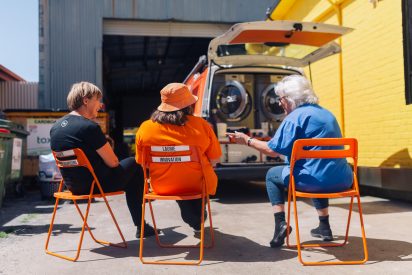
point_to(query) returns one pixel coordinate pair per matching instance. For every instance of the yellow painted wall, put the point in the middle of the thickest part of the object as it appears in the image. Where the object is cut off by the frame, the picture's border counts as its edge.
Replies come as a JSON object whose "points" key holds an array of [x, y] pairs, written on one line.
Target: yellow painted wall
{"points": [[373, 73]]}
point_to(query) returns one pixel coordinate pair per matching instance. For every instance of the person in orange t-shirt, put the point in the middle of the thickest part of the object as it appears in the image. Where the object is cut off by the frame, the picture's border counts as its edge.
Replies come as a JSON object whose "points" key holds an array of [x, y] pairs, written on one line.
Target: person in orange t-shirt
{"points": [[173, 123]]}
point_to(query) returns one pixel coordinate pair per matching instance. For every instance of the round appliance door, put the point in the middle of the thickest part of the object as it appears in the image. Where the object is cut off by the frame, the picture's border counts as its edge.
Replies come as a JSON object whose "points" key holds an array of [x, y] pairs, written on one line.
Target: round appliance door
{"points": [[269, 104], [232, 101]]}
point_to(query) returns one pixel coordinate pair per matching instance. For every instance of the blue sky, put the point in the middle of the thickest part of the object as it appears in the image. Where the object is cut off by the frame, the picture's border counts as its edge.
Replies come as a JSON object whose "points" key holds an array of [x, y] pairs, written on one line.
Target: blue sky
{"points": [[19, 37]]}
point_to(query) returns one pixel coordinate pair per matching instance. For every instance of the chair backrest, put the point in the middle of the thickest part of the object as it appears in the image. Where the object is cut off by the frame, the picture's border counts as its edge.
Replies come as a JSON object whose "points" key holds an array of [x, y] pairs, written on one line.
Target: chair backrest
{"points": [[301, 151], [73, 158], [173, 155]]}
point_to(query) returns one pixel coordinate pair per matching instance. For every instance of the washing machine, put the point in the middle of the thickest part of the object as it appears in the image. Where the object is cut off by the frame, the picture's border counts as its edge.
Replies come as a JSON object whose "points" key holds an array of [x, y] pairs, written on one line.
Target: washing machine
{"points": [[232, 99], [269, 104]]}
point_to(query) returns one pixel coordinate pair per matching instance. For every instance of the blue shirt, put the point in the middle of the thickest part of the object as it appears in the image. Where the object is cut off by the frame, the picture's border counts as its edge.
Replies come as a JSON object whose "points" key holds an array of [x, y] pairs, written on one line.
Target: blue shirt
{"points": [[312, 175]]}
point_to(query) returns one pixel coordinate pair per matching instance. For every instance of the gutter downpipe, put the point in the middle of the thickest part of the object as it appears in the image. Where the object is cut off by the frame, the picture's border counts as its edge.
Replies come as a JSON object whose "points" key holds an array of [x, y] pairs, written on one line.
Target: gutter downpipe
{"points": [[336, 6]]}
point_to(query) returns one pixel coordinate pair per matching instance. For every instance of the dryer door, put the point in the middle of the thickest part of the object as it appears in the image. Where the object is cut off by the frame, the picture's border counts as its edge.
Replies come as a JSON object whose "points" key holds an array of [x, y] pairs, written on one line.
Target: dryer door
{"points": [[269, 104], [232, 101]]}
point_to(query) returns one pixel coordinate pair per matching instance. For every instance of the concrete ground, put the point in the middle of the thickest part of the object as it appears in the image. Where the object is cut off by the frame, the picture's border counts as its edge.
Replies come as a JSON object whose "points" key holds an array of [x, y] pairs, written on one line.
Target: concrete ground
{"points": [[243, 227]]}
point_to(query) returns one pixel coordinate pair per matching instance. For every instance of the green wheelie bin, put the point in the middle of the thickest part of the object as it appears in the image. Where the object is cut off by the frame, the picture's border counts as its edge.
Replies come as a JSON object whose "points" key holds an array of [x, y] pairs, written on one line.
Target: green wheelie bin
{"points": [[5, 158], [18, 145]]}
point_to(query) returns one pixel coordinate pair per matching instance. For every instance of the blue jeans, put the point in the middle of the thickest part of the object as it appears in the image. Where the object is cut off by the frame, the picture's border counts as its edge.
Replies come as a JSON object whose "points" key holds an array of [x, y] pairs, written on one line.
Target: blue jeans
{"points": [[275, 187]]}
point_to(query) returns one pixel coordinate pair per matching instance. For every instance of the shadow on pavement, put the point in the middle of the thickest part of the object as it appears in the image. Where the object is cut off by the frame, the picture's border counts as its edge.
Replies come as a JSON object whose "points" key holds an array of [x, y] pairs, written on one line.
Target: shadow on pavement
{"points": [[232, 248], [30, 207], [29, 230], [30, 204], [228, 248]]}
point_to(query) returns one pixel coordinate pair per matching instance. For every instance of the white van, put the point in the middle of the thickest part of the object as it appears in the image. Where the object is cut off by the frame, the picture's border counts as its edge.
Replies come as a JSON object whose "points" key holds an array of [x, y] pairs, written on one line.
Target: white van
{"points": [[235, 84]]}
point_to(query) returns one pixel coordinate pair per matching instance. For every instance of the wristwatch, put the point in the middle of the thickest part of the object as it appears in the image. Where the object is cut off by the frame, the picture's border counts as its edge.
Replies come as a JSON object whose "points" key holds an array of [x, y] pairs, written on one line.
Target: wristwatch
{"points": [[249, 141]]}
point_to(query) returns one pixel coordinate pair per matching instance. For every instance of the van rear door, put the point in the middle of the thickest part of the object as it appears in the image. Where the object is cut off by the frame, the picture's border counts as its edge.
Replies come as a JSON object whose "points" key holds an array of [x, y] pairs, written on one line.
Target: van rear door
{"points": [[286, 43]]}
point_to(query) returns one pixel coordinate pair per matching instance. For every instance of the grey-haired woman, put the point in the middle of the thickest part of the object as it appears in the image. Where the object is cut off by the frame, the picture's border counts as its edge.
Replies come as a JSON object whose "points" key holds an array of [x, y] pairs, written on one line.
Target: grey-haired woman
{"points": [[305, 119]]}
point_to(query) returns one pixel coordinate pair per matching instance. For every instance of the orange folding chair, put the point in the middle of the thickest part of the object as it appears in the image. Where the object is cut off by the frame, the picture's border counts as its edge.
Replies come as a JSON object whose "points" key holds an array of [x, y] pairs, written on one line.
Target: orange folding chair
{"points": [[76, 158], [174, 155], [300, 151]]}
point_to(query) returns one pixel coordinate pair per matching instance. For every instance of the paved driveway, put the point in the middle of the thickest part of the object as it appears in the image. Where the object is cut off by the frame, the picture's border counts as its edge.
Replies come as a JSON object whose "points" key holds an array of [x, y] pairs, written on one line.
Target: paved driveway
{"points": [[244, 225]]}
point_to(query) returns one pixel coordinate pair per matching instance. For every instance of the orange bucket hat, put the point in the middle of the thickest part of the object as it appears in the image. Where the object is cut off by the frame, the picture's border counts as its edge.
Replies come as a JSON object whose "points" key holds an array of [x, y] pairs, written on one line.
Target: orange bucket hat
{"points": [[175, 96]]}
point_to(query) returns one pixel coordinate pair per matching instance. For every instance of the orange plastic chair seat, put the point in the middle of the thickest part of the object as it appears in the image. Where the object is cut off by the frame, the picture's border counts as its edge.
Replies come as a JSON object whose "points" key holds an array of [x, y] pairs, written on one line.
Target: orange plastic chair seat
{"points": [[67, 195], [154, 196], [343, 194], [302, 150]]}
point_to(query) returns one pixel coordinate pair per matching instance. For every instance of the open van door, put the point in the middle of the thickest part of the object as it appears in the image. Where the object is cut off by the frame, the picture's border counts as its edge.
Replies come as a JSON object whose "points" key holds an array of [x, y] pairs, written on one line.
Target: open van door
{"points": [[286, 43]]}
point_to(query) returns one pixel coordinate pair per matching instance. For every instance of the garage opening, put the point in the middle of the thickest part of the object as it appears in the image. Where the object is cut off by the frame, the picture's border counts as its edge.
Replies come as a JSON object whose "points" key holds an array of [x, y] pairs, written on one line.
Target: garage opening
{"points": [[135, 69], [140, 58]]}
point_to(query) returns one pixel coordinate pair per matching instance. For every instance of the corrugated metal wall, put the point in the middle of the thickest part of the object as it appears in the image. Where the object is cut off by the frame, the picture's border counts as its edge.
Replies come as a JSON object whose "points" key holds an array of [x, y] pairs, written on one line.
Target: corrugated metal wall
{"points": [[73, 36], [18, 95], [71, 33]]}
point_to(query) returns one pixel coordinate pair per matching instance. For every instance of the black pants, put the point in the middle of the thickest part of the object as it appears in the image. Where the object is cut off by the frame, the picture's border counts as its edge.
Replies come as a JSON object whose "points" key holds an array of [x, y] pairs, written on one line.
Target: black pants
{"points": [[128, 176], [190, 211]]}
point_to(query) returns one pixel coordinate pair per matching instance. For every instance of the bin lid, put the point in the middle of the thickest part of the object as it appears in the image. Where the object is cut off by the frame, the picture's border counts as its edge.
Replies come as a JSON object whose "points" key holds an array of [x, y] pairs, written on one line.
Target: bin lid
{"points": [[19, 131], [14, 128], [5, 133], [5, 123]]}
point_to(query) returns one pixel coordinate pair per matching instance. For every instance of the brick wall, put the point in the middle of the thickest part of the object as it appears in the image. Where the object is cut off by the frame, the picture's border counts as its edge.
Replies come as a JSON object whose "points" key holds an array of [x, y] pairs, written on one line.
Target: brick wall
{"points": [[373, 72]]}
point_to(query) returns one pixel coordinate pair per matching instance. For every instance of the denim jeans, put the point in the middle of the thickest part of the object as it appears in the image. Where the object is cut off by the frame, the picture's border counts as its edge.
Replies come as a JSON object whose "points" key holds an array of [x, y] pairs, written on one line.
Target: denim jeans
{"points": [[275, 187]]}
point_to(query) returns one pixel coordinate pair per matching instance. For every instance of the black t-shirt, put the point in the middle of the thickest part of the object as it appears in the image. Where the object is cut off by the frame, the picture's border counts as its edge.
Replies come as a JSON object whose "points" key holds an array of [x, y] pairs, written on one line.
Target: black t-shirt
{"points": [[72, 131]]}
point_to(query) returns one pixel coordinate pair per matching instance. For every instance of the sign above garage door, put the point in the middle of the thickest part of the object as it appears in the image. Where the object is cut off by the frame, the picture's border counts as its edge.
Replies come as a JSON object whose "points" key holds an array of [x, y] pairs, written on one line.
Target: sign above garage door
{"points": [[171, 29]]}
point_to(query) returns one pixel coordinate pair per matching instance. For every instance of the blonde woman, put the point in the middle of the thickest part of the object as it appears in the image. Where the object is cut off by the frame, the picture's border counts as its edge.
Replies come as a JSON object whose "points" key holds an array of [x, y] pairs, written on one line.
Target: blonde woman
{"points": [[78, 130]]}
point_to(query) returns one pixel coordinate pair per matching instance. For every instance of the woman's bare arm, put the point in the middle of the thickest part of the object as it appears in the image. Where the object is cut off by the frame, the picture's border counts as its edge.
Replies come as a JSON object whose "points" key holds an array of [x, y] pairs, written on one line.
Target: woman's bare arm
{"points": [[108, 156], [261, 146]]}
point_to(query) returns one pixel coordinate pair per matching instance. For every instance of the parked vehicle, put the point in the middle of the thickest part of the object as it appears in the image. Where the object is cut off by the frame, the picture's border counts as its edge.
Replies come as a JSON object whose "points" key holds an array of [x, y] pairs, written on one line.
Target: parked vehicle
{"points": [[235, 84]]}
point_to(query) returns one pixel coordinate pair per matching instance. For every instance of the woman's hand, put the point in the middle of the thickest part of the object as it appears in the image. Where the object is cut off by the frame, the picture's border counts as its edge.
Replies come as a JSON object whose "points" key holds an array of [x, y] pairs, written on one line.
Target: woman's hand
{"points": [[214, 162], [238, 137], [261, 146]]}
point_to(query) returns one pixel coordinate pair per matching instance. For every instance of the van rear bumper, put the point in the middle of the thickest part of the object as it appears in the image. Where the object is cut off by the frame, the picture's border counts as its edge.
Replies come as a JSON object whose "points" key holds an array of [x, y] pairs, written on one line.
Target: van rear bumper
{"points": [[244, 171]]}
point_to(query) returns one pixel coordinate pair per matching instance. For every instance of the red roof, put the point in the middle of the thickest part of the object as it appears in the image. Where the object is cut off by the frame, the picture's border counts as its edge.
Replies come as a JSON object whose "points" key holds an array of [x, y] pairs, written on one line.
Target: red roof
{"points": [[7, 75]]}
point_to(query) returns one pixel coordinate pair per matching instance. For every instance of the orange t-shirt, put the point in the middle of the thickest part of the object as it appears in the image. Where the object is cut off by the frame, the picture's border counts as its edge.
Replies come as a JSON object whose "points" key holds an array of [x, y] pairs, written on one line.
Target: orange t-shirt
{"points": [[168, 178]]}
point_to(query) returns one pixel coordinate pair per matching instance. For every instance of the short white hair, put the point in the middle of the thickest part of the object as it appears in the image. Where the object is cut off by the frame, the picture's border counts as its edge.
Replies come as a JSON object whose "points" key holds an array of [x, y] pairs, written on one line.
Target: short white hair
{"points": [[296, 89]]}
